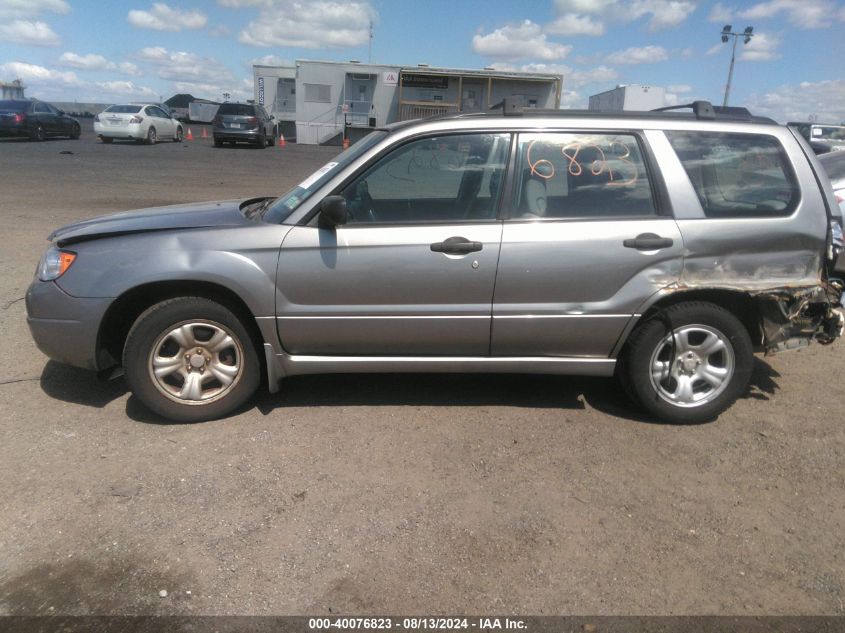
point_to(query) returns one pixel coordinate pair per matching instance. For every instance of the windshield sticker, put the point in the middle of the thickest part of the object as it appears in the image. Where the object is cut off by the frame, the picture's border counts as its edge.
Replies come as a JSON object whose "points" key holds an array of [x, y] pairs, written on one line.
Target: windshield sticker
{"points": [[317, 175]]}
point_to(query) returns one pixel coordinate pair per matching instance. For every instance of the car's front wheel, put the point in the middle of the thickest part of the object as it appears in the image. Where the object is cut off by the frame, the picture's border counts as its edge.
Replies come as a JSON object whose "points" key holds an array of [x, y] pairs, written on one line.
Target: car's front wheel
{"points": [[75, 132], [688, 363], [177, 138], [191, 359], [151, 136]]}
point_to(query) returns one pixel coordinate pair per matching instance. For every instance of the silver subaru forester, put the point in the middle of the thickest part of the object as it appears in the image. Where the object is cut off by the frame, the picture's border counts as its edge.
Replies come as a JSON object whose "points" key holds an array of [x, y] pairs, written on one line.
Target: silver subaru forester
{"points": [[663, 247]]}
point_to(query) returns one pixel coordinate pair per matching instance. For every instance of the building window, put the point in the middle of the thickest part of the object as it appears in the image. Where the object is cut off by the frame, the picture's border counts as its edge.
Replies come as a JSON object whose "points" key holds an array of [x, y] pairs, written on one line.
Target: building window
{"points": [[318, 93]]}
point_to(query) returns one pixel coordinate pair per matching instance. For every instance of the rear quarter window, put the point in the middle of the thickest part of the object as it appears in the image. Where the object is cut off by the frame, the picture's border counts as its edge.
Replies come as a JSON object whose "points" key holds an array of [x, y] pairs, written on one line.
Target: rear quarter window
{"points": [[738, 175]]}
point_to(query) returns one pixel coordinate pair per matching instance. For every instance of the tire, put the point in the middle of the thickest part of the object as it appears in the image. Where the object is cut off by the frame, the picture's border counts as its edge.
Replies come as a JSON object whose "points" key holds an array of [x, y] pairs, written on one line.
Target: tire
{"points": [[151, 136], [106, 139], [177, 138], [218, 143], [76, 132], [195, 381], [261, 143], [38, 133], [271, 140], [713, 359]]}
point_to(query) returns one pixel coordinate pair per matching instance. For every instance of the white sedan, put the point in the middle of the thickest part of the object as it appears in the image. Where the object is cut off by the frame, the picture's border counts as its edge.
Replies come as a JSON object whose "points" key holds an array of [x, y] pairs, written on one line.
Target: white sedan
{"points": [[138, 122]]}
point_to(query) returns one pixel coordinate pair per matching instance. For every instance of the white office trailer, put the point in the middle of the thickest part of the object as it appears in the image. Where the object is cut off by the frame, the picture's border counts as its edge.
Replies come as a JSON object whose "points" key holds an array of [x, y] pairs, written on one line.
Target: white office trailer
{"points": [[324, 102], [12, 90], [629, 97]]}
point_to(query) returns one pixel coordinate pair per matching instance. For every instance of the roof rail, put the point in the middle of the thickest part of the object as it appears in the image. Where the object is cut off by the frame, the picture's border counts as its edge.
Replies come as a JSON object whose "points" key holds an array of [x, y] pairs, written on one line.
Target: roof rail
{"points": [[510, 106], [706, 111]]}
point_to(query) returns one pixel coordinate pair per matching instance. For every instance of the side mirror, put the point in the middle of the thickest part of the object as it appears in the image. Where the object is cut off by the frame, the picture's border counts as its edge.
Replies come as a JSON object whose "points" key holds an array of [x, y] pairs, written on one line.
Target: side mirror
{"points": [[333, 211], [272, 118]]}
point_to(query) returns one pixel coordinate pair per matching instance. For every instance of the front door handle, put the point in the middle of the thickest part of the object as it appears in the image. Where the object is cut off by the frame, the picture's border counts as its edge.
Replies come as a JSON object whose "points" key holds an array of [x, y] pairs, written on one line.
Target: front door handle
{"points": [[456, 246], [648, 242]]}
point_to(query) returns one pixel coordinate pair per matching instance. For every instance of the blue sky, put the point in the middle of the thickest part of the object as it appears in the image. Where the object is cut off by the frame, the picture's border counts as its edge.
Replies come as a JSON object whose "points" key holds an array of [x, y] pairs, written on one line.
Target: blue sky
{"points": [[115, 50]]}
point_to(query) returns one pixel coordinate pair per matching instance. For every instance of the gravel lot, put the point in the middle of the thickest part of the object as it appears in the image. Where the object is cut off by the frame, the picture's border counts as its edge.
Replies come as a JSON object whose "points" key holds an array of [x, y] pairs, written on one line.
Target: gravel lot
{"points": [[389, 494]]}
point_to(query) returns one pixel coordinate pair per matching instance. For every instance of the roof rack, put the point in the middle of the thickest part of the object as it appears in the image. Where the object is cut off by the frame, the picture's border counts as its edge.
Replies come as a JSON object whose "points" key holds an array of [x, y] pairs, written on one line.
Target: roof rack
{"points": [[701, 110]]}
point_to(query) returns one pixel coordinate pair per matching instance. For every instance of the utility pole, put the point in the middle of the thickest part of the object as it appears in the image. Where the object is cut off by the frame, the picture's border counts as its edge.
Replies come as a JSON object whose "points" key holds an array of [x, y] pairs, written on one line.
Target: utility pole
{"points": [[370, 51], [727, 33]]}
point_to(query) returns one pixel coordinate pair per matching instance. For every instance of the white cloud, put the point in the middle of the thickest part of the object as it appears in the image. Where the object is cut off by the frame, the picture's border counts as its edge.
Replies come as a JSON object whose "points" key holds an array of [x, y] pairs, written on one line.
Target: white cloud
{"points": [[184, 66], [762, 48], [86, 62], [571, 77], [125, 88], [639, 55], [575, 24], [679, 88], [96, 62], [128, 68], [587, 17], [29, 32], [271, 60], [38, 75], [823, 99], [519, 41], [716, 48], [214, 90], [316, 24], [162, 17], [664, 13], [805, 14], [720, 13], [29, 8]]}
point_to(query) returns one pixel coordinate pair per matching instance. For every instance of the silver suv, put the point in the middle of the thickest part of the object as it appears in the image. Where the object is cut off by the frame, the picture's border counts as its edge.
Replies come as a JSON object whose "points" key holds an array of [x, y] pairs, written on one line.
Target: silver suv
{"points": [[664, 247]]}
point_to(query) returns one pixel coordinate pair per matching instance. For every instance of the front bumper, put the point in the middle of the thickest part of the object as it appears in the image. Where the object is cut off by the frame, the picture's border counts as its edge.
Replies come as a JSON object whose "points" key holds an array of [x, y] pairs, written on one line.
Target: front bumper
{"points": [[65, 328]]}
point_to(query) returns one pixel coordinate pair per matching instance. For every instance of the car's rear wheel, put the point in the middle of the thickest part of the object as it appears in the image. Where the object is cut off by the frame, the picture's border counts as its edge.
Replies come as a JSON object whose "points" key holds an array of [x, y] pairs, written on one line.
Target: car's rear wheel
{"points": [[76, 132], [38, 133], [151, 136], [261, 143], [688, 363], [177, 138], [191, 359]]}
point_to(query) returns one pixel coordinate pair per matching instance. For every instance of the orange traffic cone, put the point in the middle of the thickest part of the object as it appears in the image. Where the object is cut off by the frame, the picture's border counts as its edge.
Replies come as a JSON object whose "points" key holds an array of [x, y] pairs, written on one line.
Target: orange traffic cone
{"points": [[190, 136], [345, 143], [204, 133], [281, 140]]}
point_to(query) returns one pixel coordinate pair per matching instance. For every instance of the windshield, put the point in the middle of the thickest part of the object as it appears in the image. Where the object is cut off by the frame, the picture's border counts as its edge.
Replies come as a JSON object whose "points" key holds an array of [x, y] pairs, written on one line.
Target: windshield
{"points": [[286, 204], [237, 109], [124, 109], [829, 132], [13, 106]]}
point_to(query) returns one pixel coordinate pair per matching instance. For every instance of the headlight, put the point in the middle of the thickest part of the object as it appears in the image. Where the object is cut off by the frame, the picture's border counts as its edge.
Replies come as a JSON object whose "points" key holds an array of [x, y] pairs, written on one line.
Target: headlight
{"points": [[54, 263]]}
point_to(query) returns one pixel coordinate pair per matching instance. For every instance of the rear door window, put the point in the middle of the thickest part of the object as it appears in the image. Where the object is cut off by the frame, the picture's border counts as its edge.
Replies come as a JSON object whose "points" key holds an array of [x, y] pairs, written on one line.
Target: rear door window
{"points": [[738, 175], [581, 175]]}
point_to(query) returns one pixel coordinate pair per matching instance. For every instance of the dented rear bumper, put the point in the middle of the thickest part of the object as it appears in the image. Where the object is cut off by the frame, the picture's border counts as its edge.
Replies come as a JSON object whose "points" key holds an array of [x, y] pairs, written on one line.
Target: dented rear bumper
{"points": [[790, 315]]}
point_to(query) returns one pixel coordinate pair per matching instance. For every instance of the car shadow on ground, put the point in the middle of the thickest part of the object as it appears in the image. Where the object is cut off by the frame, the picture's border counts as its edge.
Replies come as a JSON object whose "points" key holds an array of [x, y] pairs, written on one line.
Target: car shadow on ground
{"points": [[79, 386], [536, 391]]}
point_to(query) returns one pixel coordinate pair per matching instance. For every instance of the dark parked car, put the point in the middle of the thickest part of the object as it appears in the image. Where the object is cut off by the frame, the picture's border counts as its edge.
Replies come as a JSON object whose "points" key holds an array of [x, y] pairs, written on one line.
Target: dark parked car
{"points": [[244, 122], [36, 120]]}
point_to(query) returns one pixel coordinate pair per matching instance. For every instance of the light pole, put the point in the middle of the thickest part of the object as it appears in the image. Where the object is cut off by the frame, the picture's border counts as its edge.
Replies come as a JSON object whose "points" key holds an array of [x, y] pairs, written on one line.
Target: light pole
{"points": [[726, 35]]}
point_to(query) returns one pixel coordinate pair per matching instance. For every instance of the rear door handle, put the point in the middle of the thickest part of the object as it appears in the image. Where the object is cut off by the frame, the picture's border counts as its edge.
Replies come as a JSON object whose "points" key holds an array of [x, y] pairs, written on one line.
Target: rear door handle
{"points": [[648, 242], [456, 246]]}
